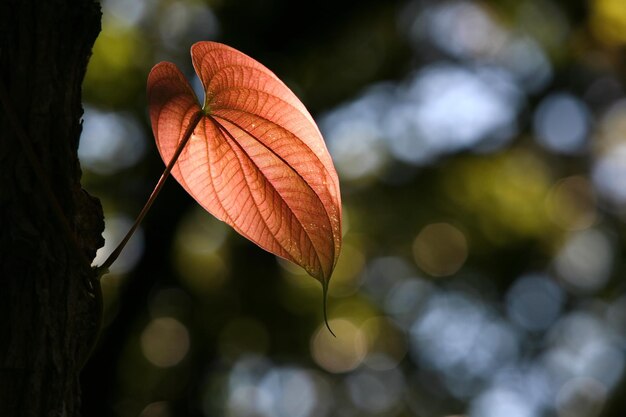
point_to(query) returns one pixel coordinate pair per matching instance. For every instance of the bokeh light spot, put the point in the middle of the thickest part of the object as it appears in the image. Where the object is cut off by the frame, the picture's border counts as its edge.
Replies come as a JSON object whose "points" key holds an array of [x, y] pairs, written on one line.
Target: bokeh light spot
{"points": [[497, 189], [383, 274], [116, 226], [291, 393], [375, 392], [583, 345], [464, 29], [386, 344], [440, 249], [460, 338], [608, 21], [156, 409], [110, 141], [198, 251], [608, 173], [165, 342], [581, 397], [499, 403], [571, 203], [561, 123], [447, 109], [406, 299], [355, 141], [610, 164], [114, 74], [185, 22], [585, 261], [616, 316], [126, 12], [534, 302], [340, 354]]}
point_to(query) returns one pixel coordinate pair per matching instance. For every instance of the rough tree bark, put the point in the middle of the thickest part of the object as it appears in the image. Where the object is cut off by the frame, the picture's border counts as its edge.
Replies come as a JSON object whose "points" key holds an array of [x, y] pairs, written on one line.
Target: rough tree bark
{"points": [[48, 311]]}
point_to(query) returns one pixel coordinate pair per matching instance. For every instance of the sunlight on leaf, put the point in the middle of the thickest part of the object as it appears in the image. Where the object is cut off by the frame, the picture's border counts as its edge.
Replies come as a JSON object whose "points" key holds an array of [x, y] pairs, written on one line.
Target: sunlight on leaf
{"points": [[256, 159]]}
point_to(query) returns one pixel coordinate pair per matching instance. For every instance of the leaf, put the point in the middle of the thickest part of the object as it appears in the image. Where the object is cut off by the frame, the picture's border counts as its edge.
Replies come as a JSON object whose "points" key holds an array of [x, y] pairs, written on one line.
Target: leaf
{"points": [[255, 160]]}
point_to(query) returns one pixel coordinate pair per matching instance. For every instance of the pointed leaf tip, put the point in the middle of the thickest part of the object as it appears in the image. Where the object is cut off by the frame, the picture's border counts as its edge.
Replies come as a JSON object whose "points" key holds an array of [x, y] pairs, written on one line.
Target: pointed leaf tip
{"points": [[325, 306], [256, 160]]}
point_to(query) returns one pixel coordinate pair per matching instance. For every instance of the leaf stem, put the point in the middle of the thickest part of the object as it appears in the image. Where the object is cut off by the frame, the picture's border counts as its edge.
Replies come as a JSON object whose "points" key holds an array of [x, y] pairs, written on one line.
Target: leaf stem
{"points": [[193, 122]]}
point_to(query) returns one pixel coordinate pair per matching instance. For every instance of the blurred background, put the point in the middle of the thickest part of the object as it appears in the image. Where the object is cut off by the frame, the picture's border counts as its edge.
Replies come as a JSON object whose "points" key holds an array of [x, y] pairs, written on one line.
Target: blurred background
{"points": [[481, 147]]}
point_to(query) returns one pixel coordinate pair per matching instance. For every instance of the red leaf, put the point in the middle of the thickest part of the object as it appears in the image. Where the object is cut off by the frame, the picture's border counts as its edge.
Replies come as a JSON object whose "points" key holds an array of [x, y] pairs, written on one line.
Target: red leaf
{"points": [[256, 159]]}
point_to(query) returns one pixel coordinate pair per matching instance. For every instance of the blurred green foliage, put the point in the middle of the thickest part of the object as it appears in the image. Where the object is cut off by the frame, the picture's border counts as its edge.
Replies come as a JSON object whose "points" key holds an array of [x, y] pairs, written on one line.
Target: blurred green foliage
{"points": [[481, 147]]}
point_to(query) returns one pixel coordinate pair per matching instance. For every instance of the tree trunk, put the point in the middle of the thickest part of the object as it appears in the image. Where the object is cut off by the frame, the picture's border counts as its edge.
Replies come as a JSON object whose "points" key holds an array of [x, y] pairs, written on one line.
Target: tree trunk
{"points": [[49, 227]]}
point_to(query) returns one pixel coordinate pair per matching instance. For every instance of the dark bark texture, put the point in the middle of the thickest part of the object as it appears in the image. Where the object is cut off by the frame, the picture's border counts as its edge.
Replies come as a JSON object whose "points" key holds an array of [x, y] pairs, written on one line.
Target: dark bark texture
{"points": [[49, 313]]}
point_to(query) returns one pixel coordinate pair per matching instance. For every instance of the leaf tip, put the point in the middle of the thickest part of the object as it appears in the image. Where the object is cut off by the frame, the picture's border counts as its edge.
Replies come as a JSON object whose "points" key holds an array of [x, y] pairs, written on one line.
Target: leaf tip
{"points": [[325, 306]]}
